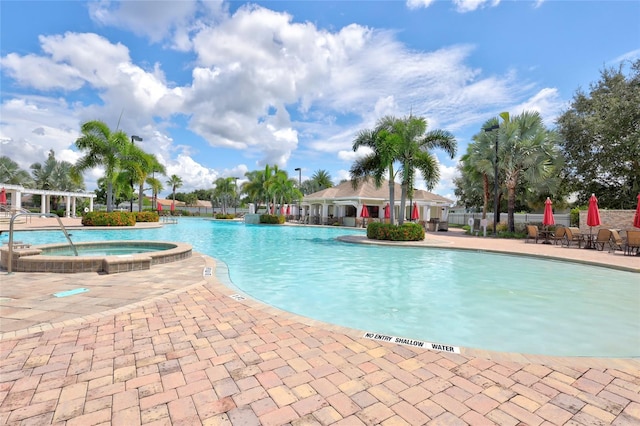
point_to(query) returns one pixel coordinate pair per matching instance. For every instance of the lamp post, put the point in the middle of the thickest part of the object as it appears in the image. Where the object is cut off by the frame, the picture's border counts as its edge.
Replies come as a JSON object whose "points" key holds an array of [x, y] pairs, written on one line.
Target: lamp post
{"points": [[134, 138], [235, 187], [495, 181], [299, 170]]}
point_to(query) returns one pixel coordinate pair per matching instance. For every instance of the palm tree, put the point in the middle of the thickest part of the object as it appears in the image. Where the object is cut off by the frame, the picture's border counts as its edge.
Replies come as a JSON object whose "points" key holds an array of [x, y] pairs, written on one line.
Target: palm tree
{"points": [[149, 166], [103, 148], [254, 187], [414, 153], [12, 174], [480, 160], [379, 162], [321, 180], [174, 182], [55, 175], [527, 153], [224, 192]]}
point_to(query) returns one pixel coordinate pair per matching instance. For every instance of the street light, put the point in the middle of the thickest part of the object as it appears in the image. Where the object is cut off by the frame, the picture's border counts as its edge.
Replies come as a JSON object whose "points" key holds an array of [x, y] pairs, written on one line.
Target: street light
{"points": [[235, 187], [495, 181], [134, 138], [299, 170]]}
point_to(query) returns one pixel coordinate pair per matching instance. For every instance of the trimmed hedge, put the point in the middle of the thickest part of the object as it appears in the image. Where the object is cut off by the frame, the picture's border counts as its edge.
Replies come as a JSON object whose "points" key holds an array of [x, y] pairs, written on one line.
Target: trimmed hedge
{"points": [[272, 219], [109, 219], [147, 216], [406, 232], [225, 216]]}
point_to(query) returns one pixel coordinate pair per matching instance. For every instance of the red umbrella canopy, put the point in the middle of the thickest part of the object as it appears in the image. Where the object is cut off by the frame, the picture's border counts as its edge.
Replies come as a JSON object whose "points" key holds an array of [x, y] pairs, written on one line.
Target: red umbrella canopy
{"points": [[173, 206], [593, 214], [364, 212], [288, 210], [636, 219], [159, 207], [548, 213], [282, 210], [387, 211], [3, 196], [415, 214]]}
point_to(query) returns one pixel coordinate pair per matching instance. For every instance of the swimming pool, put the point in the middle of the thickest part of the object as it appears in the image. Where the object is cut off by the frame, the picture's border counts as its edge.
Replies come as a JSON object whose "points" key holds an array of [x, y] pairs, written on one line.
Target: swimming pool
{"points": [[470, 299]]}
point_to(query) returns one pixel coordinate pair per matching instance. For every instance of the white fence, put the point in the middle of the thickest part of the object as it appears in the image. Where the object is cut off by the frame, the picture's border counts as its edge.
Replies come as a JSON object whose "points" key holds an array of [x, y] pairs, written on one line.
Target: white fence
{"points": [[463, 218]]}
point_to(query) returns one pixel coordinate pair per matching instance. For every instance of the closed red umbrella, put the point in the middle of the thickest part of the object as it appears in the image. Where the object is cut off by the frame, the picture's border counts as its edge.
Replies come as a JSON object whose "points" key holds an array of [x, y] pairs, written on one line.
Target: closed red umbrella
{"points": [[387, 211], [288, 210], [364, 214], [593, 216], [3, 197], [173, 206], [548, 214], [415, 215], [282, 210], [636, 219], [159, 207]]}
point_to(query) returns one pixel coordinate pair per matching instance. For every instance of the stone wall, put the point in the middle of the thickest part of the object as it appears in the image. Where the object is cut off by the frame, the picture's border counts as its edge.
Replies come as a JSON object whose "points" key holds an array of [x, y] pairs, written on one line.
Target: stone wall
{"points": [[610, 219]]}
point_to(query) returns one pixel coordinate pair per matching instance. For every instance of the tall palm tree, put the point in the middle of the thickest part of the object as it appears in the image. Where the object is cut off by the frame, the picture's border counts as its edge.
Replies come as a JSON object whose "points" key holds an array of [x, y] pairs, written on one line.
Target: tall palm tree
{"points": [[526, 153], [480, 159], [224, 192], [414, 153], [380, 161], [174, 182], [102, 147], [11, 173], [149, 165], [254, 187]]}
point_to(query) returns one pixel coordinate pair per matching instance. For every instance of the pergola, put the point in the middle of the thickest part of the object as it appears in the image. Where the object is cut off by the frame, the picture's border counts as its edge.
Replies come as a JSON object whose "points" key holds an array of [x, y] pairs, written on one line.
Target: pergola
{"points": [[15, 193]]}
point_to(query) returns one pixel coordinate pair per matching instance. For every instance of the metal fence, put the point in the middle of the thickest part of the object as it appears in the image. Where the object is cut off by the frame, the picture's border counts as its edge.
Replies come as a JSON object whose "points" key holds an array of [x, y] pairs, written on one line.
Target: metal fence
{"points": [[463, 218]]}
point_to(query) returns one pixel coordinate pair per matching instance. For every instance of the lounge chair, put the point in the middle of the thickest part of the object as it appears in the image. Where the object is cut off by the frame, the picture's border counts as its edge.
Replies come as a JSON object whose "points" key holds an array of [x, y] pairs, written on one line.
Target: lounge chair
{"points": [[572, 235], [616, 242], [632, 244], [602, 239], [532, 233], [558, 235]]}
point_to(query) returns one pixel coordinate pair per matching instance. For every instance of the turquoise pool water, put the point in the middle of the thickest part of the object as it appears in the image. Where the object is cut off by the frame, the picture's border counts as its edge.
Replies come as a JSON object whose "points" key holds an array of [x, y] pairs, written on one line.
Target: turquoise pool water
{"points": [[461, 298]]}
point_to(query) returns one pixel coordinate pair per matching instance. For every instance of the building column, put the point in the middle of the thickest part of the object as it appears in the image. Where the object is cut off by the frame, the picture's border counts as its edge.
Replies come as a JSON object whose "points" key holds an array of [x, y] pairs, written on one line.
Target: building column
{"points": [[67, 206], [43, 203], [90, 204], [16, 202]]}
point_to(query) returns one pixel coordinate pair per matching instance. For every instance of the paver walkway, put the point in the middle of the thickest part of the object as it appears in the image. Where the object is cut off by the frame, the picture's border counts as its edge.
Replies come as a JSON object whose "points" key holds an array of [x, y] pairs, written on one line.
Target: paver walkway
{"points": [[197, 355]]}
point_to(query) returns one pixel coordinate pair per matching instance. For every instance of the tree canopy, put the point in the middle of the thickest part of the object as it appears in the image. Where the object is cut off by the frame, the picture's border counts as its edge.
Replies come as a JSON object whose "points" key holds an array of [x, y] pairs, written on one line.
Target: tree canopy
{"points": [[601, 139]]}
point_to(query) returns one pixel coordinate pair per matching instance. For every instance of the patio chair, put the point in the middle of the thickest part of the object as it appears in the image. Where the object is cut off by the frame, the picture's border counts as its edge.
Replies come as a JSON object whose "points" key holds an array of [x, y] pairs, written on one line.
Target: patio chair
{"points": [[532, 233], [632, 244], [616, 242], [558, 235], [572, 235], [603, 237]]}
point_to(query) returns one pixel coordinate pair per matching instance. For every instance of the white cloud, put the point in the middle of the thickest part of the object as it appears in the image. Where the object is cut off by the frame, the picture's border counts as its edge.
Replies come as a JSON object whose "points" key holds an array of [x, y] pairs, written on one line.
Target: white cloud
{"points": [[464, 6], [416, 4]]}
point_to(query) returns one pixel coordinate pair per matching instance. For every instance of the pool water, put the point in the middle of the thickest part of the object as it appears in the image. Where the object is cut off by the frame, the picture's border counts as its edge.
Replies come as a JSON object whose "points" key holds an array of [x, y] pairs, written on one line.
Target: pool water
{"points": [[461, 298]]}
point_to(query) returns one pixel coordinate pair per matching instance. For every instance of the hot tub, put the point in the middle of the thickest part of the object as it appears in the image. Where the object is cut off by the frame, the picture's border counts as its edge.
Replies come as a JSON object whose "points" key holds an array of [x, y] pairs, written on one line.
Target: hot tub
{"points": [[106, 257]]}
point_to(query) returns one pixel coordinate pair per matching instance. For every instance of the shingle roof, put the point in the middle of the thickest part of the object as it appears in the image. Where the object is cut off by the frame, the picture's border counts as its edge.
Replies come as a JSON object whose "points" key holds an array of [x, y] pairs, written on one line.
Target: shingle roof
{"points": [[367, 190]]}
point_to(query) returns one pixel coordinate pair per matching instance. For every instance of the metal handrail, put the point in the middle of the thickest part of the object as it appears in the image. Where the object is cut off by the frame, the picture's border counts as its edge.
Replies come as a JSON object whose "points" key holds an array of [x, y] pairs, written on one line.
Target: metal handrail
{"points": [[64, 230]]}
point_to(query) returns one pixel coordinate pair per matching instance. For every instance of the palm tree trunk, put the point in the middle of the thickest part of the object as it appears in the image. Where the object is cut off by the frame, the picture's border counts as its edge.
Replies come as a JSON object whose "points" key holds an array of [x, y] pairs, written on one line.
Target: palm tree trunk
{"points": [[109, 197], [392, 201], [485, 190], [512, 206], [140, 191]]}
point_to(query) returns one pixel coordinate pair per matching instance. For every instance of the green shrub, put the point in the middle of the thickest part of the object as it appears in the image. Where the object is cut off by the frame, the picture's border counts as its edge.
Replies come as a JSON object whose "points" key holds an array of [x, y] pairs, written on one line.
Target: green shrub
{"points": [[574, 217], [147, 216], [109, 219], [224, 216], [272, 219], [406, 232]]}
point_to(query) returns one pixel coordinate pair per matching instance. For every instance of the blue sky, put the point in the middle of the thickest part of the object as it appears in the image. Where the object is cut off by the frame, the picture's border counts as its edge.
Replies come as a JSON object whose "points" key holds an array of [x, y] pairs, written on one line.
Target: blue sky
{"points": [[216, 89]]}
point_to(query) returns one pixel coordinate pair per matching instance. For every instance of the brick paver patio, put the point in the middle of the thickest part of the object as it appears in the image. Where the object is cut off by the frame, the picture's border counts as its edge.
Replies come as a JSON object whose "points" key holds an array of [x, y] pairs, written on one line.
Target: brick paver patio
{"points": [[186, 353]]}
